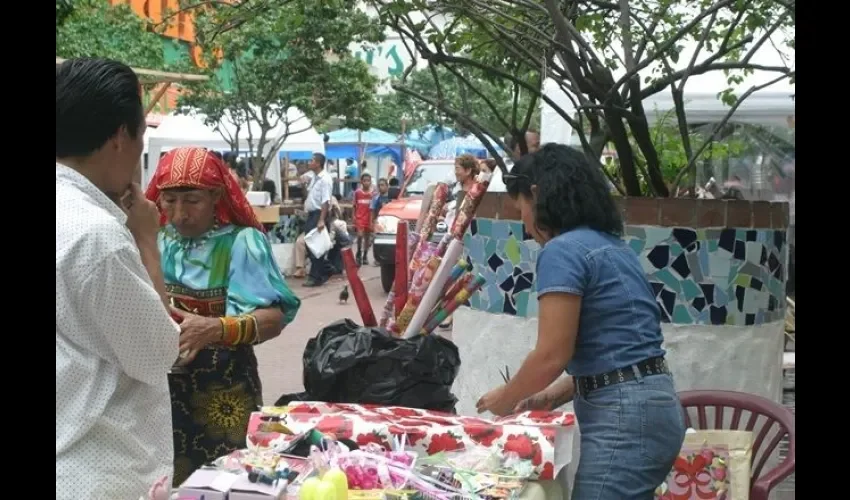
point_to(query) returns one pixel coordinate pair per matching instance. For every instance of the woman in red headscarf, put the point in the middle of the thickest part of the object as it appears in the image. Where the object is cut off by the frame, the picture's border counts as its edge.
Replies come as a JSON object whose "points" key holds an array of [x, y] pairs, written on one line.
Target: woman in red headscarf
{"points": [[227, 293]]}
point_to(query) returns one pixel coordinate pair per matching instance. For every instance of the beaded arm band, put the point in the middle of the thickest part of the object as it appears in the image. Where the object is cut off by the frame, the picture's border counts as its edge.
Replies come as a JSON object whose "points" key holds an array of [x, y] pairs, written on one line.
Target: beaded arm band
{"points": [[239, 330]]}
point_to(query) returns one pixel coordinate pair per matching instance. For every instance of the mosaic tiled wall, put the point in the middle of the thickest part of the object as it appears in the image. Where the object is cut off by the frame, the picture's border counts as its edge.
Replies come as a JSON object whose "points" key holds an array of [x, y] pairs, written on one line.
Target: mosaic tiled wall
{"points": [[700, 276]]}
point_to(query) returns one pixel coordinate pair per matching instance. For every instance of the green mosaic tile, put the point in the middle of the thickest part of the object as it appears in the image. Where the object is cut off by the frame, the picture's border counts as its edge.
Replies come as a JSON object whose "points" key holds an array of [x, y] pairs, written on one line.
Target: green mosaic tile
{"points": [[691, 290], [666, 277], [681, 315], [707, 296]]}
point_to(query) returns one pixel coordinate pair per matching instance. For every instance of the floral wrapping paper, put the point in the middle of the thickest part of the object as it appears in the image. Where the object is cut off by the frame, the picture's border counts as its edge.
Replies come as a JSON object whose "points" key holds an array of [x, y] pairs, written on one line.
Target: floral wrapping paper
{"points": [[416, 290], [713, 465], [545, 438]]}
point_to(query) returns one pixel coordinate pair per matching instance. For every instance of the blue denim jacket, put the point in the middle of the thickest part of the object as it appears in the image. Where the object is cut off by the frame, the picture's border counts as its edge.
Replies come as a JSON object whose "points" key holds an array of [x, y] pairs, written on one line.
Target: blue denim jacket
{"points": [[620, 322]]}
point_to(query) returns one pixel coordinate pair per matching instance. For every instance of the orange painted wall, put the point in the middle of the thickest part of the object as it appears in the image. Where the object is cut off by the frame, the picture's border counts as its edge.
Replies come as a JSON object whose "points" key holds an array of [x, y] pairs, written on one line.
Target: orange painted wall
{"points": [[180, 26]]}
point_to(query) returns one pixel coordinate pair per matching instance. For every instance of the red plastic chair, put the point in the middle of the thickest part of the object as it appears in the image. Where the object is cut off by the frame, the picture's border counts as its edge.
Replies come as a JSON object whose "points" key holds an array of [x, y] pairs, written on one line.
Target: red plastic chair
{"points": [[739, 402]]}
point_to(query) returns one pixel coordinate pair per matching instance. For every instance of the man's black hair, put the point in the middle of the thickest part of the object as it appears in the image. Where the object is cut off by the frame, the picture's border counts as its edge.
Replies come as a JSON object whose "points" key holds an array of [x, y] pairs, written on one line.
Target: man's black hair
{"points": [[570, 191], [321, 158], [394, 181], [94, 99]]}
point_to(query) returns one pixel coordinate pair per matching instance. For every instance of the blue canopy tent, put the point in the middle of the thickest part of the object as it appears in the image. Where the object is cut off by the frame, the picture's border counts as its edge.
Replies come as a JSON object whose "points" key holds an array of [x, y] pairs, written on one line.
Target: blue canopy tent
{"points": [[456, 146], [431, 134], [351, 143]]}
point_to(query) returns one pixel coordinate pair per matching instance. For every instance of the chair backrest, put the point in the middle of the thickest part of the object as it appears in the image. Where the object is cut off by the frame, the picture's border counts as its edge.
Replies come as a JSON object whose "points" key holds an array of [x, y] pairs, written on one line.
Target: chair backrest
{"points": [[775, 417]]}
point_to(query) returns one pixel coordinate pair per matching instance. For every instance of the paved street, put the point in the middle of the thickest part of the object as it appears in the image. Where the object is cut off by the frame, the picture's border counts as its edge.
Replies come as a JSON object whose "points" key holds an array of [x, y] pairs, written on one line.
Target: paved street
{"points": [[280, 359]]}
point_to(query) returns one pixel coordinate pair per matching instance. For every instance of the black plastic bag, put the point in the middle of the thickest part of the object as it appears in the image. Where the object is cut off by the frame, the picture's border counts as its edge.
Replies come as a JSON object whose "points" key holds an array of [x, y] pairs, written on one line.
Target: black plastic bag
{"points": [[347, 363]]}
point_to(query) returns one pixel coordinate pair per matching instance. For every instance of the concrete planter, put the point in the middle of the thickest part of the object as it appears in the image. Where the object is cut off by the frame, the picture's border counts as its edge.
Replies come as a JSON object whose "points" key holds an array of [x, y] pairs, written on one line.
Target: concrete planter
{"points": [[718, 269]]}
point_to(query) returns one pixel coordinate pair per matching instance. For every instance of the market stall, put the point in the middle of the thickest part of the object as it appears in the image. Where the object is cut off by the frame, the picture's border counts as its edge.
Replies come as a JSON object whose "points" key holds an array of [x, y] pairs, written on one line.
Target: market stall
{"points": [[320, 451], [190, 129]]}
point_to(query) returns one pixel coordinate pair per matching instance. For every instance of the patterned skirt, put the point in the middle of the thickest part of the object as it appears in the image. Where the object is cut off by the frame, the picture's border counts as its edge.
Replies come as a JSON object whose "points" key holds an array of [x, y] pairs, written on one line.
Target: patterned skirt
{"points": [[211, 405]]}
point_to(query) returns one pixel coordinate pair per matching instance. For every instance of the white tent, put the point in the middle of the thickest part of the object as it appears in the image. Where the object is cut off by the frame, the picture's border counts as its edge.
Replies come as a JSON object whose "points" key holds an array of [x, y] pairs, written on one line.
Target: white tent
{"points": [[177, 130], [765, 107]]}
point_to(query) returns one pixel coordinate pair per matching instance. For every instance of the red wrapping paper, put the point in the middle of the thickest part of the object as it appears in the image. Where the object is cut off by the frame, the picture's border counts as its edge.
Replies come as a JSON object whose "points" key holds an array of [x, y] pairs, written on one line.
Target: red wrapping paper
{"points": [[400, 284], [357, 289], [388, 312]]}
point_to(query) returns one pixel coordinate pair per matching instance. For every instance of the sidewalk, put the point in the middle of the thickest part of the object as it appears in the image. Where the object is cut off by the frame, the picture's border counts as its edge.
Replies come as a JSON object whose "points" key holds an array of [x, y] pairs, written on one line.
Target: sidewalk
{"points": [[280, 358]]}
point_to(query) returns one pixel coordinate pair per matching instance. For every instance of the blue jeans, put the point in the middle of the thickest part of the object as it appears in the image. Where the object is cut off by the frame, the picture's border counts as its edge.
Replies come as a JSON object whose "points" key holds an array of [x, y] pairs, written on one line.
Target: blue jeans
{"points": [[630, 435]]}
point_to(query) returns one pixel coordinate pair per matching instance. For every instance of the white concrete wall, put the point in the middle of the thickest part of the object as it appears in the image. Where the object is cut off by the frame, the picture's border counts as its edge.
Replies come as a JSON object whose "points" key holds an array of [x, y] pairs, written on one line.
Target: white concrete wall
{"points": [[745, 359]]}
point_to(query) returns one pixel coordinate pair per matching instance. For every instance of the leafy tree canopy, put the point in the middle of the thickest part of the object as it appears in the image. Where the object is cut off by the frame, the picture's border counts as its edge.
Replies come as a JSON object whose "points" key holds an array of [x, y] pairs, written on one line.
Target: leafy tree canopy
{"points": [[454, 94], [293, 54], [93, 28], [607, 55]]}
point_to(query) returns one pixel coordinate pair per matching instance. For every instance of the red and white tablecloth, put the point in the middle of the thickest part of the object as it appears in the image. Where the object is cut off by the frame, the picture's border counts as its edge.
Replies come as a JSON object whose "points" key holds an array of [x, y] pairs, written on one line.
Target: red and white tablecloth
{"points": [[543, 437]]}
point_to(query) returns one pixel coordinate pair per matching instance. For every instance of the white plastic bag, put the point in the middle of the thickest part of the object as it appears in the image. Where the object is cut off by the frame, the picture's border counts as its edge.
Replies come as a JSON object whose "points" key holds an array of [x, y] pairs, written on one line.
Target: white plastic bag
{"points": [[318, 242]]}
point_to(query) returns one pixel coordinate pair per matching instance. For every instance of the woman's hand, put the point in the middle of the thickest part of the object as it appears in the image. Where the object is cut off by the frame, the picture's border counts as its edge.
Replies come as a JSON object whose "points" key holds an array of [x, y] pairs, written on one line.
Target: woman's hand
{"points": [[496, 403], [196, 332]]}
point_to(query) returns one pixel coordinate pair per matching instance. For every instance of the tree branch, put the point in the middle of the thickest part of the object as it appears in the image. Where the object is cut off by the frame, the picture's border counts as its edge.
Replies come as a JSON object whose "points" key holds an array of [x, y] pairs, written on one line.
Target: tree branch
{"points": [[719, 127]]}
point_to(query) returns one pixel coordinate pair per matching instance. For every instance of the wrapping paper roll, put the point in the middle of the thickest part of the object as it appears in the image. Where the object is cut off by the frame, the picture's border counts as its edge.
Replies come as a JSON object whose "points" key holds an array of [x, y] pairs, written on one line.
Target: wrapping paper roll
{"points": [[357, 289], [460, 269], [458, 300], [418, 288], [401, 265], [435, 211], [388, 313], [432, 295], [424, 252], [467, 208], [452, 288]]}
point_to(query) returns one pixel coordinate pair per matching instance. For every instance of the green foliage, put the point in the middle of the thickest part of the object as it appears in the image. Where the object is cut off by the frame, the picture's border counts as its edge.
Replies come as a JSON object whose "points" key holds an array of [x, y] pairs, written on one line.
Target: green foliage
{"points": [[293, 54], [610, 56], [93, 28], [456, 95]]}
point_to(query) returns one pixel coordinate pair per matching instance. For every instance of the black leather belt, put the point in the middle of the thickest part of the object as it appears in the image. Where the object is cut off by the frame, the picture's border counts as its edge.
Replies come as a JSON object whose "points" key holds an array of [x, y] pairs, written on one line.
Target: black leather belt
{"points": [[651, 366]]}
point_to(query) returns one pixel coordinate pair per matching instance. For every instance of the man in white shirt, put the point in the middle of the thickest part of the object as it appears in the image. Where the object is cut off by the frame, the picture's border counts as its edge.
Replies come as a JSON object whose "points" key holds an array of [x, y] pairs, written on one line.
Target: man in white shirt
{"points": [[316, 204], [115, 341]]}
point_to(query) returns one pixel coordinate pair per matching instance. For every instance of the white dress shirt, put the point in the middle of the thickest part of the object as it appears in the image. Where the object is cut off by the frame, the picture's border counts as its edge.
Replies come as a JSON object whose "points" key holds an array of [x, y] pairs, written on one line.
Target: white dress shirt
{"points": [[319, 191], [115, 343]]}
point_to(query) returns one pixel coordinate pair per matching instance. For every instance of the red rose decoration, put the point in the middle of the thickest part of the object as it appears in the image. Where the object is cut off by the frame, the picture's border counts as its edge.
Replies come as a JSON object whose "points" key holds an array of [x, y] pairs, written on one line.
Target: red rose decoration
{"points": [[543, 416], [521, 445], [404, 412], [548, 472], [373, 437], [444, 442], [537, 457], [262, 439], [339, 427], [413, 434], [483, 434], [302, 408], [549, 434]]}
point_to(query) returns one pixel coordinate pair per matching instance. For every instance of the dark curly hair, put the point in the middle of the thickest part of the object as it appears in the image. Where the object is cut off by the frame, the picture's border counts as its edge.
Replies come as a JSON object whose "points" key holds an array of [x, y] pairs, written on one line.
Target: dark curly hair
{"points": [[570, 192]]}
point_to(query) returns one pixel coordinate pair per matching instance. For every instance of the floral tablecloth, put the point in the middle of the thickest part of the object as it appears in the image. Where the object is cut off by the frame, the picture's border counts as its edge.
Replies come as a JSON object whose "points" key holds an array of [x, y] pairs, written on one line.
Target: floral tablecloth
{"points": [[545, 438]]}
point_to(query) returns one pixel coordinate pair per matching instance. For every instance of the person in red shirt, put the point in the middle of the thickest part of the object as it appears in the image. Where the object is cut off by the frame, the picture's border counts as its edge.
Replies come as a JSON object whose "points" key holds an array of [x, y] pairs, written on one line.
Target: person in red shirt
{"points": [[363, 217]]}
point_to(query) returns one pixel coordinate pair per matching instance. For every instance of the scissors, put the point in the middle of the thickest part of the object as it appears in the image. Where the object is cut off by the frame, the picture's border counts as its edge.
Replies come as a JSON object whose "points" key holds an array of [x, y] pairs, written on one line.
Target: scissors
{"points": [[506, 375]]}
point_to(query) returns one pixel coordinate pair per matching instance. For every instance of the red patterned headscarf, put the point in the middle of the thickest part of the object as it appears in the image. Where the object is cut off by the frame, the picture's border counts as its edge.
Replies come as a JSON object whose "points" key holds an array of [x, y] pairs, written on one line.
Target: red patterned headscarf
{"points": [[199, 168]]}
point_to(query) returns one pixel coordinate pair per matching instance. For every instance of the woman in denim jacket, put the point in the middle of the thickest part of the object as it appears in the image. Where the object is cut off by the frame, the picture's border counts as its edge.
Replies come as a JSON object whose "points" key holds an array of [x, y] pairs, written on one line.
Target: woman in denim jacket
{"points": [[599, 320]]}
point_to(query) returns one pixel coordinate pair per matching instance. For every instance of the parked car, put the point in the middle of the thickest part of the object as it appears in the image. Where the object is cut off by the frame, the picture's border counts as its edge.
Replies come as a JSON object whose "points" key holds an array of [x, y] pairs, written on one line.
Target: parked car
{"points": [[406, 210]]}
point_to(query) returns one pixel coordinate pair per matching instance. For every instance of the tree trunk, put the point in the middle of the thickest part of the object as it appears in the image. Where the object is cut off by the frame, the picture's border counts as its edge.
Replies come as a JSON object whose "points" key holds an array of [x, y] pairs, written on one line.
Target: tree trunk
{"points": [[620, 137]]}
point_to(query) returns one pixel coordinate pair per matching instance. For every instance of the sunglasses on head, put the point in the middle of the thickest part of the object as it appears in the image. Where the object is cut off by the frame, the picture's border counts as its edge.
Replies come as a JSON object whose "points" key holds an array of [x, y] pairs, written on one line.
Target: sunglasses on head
{"points": [[515, 177]]}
